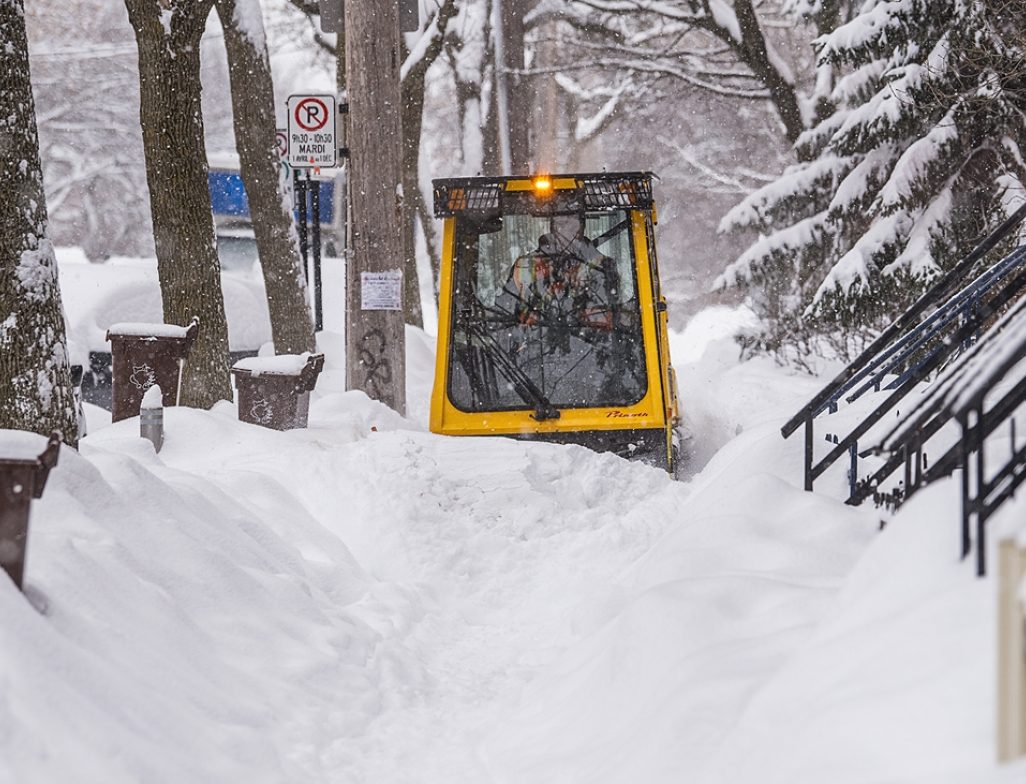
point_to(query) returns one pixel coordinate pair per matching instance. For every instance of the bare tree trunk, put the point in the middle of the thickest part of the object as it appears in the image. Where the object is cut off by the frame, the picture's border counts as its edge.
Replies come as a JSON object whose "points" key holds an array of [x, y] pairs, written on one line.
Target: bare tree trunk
{"points": [[427, 223], [413, 123], [521, 102], [548, 155], [754, 52], [491, 146], [35, 377], [491, 152], [254, 121], [375, 339], [168, 36]]}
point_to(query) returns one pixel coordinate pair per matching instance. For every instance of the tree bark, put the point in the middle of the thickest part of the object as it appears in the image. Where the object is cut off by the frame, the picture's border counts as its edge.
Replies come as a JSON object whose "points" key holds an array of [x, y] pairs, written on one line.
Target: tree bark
{"points": [[521, 99], [548, 154], [413, 122], [375, 339], [254, 121], [753, 52], [168, 36], [35, 375]]}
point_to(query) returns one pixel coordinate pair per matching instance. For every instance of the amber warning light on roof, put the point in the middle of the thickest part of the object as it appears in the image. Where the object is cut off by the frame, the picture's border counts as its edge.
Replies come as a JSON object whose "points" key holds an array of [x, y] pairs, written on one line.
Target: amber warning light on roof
{"points": [[542, 185]]}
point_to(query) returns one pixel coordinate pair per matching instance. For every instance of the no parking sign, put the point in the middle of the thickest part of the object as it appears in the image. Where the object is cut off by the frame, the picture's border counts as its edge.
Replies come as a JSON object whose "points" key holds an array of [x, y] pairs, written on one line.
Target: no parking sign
{"points": [[311, 132]]}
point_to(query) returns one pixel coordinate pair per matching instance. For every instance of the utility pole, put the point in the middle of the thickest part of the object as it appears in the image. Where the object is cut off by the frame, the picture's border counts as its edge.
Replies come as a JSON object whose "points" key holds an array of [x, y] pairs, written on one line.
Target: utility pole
{"points": [[375, 339]]}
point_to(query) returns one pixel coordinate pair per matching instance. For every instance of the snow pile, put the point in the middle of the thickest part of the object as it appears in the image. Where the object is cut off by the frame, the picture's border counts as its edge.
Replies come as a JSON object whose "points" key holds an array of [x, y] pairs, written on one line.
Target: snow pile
{"points": [[363, 601]]}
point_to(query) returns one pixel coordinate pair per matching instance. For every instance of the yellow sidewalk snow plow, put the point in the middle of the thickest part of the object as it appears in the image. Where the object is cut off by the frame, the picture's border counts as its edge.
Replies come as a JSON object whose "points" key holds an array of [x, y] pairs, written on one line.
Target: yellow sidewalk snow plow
{"points": [[551, 321]]}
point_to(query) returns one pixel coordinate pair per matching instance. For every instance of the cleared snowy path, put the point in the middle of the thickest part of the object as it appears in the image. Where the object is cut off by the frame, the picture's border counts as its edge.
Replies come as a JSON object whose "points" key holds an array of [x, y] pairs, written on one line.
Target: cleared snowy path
{"points": [[484, 553]]}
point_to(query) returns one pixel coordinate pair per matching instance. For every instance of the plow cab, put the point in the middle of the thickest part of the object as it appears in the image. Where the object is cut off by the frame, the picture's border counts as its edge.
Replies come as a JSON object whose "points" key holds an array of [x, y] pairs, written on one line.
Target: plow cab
{"points": [[551, 321]]}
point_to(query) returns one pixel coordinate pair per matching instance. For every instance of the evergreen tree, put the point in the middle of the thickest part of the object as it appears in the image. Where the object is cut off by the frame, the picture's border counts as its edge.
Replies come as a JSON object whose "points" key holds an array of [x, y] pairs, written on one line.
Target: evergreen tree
{"points": [[923, 153]]}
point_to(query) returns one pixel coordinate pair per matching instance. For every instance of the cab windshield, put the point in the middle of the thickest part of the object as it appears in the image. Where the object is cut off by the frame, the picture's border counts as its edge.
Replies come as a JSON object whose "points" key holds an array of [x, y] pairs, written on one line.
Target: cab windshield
{"points": [[545, 314]]}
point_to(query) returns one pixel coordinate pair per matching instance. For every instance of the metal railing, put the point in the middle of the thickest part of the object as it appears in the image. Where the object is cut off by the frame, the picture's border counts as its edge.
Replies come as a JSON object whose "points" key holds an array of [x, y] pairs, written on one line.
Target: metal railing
{"points": [[961, 396], [915, 345]]}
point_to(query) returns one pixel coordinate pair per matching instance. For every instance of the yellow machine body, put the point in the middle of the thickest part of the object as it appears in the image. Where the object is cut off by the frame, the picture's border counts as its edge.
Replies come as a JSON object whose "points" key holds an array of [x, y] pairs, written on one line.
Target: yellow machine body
{"points": [[583, 362]]}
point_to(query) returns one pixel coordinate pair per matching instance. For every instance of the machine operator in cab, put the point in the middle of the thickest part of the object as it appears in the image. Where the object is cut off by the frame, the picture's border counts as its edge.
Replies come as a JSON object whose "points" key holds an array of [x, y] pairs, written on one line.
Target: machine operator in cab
{"points": [[561, 279]]}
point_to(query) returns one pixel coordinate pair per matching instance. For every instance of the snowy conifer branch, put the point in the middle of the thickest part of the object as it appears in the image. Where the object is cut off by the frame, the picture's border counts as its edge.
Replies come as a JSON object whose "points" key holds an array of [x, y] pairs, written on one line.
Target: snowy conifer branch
{"points": [[928, 120]]}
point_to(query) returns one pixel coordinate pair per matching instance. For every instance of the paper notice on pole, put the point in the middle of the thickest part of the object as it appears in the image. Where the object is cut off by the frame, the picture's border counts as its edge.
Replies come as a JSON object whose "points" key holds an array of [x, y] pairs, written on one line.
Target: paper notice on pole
{"points": [[381, 290]]}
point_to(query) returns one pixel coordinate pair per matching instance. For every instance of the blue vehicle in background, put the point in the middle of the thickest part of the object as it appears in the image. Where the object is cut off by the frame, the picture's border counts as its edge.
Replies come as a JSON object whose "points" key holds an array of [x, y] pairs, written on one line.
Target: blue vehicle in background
{"points": [[130, 291], [236, 244]]}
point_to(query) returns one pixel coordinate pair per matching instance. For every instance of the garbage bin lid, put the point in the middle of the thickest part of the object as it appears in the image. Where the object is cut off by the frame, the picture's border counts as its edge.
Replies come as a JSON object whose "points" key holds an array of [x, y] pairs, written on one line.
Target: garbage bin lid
{"points": [[280, 365], [142, 330], [20, 446]]}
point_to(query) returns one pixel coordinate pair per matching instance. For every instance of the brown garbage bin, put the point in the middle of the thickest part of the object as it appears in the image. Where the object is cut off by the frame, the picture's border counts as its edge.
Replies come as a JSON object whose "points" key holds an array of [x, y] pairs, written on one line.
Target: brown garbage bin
{"points": [[275, 391], [23, 476], [143, 355]]}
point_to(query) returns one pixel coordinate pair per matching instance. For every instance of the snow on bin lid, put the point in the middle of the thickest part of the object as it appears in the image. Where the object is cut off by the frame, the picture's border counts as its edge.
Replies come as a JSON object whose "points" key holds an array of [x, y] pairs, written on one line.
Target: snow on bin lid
{"points": [[21, 445], [142, 330], [280, 365]]}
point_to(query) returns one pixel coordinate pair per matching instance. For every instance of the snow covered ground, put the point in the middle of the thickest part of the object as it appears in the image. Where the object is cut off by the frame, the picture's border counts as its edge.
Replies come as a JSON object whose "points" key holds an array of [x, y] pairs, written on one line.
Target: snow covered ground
{"points": [[364, 601]]}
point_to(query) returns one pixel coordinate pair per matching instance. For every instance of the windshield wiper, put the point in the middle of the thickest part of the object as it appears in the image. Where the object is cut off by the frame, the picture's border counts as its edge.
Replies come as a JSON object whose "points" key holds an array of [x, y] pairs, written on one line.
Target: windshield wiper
{"points": [[608, 235], [522, 383]]}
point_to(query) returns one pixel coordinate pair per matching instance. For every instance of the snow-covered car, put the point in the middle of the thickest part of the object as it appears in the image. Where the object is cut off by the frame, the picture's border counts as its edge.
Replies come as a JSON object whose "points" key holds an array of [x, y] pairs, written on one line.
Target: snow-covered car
{"points": [[96, 296]]}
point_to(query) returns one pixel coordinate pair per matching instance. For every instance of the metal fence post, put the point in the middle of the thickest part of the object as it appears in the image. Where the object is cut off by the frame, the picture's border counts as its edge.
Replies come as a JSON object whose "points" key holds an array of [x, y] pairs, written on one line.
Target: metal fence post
{"points": [[151, 417], [808, 451]]}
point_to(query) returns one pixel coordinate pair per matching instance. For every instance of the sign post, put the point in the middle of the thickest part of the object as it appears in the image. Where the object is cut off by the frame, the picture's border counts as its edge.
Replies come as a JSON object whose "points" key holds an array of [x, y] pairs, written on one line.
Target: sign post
{"points": [[311, 142]]}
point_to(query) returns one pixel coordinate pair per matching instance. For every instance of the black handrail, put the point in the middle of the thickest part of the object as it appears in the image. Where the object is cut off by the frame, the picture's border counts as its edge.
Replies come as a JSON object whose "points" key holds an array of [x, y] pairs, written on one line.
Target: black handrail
{"points": [[909, 437], [968, 379], [934, 325], [941, 289], [971, 325], [988, 362], [990, 493]]}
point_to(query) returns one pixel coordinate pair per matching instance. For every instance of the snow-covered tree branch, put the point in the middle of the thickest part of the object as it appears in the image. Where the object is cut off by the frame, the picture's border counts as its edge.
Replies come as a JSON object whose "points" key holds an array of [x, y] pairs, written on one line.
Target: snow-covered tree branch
{"points": [[922, 155]]}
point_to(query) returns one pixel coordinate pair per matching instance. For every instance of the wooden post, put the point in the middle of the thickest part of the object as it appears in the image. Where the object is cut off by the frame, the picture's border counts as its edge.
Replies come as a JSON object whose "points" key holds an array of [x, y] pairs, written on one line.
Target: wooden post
{"points": [[375, 339], [1011, 666]]}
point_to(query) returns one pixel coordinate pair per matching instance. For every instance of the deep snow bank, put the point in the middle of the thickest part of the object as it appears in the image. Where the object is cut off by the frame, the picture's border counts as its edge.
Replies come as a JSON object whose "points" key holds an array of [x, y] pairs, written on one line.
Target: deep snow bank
{"points": [[345, 603], [365, 602], [773, 635]]}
